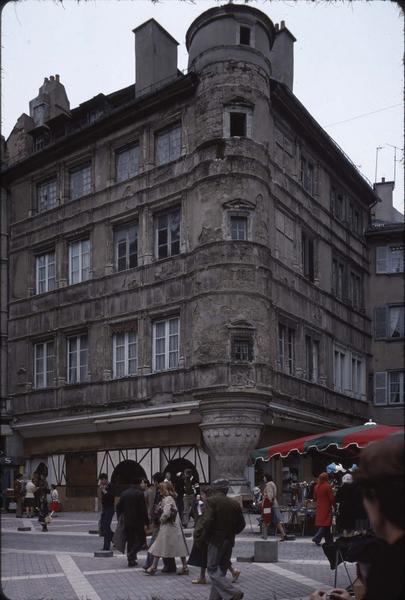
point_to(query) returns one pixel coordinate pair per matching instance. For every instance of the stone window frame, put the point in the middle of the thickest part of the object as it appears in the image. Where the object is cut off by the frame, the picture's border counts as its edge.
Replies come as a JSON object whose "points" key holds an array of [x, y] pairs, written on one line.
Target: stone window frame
{"points": [[246, 332], [166, 319], [287, 360], [356, 289], [120, 151], [241, 107], [173, 125], [339, 210], [55, 200], [161, 212], [345, 383], [38, 255], [75, 163], [71, 243], [242, 338], [53, 172], [339, 278], [312, 340], [241, 23], [77, 336], [125, 227], [48, 382], [340, 366], [125, 331], [307, 164], [308, 255], [353, 209]]}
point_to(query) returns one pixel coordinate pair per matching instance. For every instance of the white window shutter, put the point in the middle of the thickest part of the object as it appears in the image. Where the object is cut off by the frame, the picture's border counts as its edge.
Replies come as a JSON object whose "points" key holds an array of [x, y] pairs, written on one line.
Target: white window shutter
{"points": [[381, 259], [380, 388], [380, 322]]}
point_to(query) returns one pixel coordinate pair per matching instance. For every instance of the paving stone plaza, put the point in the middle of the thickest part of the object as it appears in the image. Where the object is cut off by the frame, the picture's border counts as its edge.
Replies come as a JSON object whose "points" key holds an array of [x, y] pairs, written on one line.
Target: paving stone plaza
{"points": [[60, 565]]}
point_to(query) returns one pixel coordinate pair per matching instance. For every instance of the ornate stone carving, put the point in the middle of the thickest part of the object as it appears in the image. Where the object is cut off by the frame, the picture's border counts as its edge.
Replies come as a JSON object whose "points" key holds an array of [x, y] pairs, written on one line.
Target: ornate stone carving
{"points": [[231, 429]]}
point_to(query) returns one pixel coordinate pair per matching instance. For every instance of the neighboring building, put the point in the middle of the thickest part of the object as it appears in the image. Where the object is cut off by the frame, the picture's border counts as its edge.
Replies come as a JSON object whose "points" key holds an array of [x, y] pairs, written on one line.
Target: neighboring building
{"points": [[187, 265], [385, 240]]}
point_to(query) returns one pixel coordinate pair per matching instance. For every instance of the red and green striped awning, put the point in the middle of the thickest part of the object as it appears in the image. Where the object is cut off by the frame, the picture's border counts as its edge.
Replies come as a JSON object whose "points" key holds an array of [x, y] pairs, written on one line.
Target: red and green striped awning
{"points": [[360, 436]]}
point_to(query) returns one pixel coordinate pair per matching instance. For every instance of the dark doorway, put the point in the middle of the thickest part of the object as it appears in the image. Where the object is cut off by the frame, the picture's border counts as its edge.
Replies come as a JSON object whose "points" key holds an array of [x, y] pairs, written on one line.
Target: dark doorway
{"points": [[125, 473], [178, 465]]}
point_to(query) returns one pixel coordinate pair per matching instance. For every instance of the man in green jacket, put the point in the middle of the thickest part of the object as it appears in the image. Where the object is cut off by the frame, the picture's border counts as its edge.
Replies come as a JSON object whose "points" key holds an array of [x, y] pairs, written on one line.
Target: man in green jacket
{"points": [[221, 521]]}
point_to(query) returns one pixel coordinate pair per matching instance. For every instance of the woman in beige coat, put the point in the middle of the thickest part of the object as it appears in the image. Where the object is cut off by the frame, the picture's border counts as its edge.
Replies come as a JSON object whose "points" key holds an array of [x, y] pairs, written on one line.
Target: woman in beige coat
{"points": [[170, 541]]}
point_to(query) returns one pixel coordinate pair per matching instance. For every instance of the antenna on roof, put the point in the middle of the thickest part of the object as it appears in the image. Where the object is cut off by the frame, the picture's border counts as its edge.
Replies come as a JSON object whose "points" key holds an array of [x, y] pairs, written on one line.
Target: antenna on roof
{"points": [[376, 161], [395, 156]]}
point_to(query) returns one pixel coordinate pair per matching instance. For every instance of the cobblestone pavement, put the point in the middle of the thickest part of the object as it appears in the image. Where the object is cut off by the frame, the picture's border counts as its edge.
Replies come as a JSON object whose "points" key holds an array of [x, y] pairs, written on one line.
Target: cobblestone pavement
{"points": [[60, 565]]}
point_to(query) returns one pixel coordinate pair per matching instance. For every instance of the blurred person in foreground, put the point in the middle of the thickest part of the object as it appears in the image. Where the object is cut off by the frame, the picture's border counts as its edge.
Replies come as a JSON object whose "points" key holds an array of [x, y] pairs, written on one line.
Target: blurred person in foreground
{"points": [[381, 479]]}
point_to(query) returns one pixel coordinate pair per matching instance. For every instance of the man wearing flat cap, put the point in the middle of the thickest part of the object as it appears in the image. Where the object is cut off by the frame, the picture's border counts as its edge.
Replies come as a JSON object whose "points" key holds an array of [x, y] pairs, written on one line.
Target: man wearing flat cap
{"points": [[221, 521]]}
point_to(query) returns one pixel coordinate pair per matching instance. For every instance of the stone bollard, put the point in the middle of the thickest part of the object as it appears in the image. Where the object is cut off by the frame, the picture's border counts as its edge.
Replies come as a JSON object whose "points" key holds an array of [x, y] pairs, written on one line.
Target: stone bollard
{"points": [[266, 551], [103, 553]]}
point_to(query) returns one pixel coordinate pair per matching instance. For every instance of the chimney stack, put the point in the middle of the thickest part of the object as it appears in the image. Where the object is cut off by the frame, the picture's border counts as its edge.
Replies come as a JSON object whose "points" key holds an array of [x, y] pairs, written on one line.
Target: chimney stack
{"points": [[51, 101], [282, 55], [384, 211], [155, 57]]}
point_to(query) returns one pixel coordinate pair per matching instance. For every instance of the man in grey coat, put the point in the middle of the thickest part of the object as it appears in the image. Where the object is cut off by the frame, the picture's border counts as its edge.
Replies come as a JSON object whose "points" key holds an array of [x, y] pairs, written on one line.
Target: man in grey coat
{"points": [[221, 521]]}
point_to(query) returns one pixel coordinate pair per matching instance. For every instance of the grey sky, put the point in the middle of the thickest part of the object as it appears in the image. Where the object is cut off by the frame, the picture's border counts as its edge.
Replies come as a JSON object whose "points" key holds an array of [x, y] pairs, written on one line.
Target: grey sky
{"points": [[348, 62]]}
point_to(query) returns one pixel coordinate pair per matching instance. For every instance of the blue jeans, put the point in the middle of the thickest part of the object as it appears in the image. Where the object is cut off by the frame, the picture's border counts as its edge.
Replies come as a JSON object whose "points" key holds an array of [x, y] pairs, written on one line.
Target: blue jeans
{"points": [[325, 532], [105, 526]]}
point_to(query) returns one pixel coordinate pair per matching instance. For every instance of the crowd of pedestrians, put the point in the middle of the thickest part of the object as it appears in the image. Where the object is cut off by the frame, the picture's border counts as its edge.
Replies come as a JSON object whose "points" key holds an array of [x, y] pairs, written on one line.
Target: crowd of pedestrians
{"points": [[34, 498], [163, 509], [369, 503]]}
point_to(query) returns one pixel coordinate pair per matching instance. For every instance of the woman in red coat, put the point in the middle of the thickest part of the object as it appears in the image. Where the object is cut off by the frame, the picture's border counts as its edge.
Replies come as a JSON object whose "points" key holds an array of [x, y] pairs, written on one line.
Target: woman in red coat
{"points": [[325, 499]]}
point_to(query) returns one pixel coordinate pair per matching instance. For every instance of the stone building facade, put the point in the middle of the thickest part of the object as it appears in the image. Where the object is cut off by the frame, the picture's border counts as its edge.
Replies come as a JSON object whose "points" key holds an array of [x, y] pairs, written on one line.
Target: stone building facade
{"points": [[385, 241], [187, 265]]}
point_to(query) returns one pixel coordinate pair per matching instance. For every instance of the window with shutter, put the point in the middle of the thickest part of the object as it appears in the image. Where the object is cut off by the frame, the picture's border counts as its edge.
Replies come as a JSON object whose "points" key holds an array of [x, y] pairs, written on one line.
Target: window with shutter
{"points": [[396, 387], [396, 322], [380, 388]]}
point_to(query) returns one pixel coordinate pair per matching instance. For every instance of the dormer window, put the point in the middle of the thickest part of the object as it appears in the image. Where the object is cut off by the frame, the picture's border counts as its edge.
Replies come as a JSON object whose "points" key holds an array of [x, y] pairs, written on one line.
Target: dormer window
{"points": [[244, 35]]}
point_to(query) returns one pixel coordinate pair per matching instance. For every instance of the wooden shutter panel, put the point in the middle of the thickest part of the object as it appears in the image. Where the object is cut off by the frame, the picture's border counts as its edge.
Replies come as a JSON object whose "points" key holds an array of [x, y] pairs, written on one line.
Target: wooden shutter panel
{"points": [[380, 388], [381, 259], [380, 322]]}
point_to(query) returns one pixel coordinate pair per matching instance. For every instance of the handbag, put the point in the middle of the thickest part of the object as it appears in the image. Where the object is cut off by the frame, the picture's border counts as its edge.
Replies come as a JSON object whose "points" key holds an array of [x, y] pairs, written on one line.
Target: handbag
{"points": [[267, 510], [171, 517], [157, 513]]}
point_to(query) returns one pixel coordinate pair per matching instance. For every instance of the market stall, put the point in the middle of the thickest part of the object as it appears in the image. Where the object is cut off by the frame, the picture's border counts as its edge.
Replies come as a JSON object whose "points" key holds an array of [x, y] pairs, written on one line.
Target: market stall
{"points": [[337, 448]]}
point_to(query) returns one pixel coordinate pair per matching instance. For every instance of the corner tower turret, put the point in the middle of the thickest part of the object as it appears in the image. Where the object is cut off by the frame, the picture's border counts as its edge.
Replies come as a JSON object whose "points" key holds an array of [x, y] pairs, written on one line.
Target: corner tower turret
{"points": [[229, 48], [241, 32]]}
